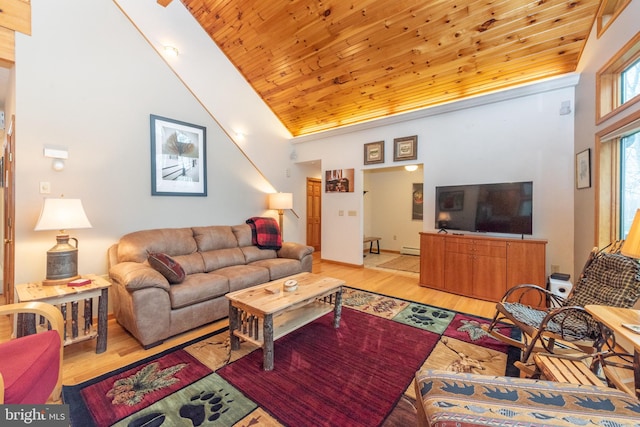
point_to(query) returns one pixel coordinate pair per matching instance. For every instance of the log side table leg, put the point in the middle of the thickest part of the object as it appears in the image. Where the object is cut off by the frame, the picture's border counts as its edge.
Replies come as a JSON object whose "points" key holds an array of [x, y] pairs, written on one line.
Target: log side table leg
{"points": [[234, 341], [337, 309], [103, 307], [267, 346]]}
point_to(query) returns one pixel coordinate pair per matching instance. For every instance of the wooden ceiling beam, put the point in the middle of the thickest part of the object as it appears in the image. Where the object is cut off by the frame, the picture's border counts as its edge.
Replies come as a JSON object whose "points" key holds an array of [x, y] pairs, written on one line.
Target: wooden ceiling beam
{"points": [[16, 15]]}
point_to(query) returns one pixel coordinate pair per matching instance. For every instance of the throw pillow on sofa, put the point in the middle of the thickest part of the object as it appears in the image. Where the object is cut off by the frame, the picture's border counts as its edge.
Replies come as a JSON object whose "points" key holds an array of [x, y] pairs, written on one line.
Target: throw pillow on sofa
{"points": [[168, 267]]}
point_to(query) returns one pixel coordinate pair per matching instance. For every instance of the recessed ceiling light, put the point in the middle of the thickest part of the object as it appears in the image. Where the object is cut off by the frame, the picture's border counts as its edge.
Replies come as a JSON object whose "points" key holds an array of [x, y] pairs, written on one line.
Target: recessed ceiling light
{"points": [[171, 51]]}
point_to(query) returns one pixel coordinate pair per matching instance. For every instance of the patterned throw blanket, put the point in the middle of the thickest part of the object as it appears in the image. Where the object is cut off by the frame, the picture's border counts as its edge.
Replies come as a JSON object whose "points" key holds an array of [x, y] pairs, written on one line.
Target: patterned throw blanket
{"points": [[265, 232]]}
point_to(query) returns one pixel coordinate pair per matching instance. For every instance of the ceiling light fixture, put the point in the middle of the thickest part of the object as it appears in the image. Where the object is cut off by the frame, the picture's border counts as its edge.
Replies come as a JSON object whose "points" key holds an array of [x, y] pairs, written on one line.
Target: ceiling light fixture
{"points": [[171, 51], [411, 168]]}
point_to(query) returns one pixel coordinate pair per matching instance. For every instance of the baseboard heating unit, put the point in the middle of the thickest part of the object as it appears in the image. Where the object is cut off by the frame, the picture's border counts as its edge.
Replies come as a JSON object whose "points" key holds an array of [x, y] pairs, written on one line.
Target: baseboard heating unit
{"points": [[407, 250]]}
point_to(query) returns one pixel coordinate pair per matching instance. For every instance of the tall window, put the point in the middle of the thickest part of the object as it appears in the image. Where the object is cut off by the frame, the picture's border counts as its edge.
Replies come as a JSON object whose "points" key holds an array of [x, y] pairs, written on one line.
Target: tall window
{"points": [[630, 81], [630, 180]]}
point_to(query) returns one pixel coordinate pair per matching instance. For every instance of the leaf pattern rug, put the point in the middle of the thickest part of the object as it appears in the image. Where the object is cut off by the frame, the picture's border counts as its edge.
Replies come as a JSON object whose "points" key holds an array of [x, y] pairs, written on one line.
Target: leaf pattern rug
{"points": [[185, 386]]}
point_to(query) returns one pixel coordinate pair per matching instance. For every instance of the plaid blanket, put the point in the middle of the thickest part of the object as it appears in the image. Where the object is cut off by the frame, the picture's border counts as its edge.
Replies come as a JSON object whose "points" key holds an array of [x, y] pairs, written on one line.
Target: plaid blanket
{"points": [[265, 233]]}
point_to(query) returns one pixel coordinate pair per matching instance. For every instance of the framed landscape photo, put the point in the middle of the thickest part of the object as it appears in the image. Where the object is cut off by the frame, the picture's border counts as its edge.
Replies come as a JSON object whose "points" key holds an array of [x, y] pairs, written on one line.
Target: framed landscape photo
{"points": [[178, 158], [374, 153], [405, 148], [583, 169]]}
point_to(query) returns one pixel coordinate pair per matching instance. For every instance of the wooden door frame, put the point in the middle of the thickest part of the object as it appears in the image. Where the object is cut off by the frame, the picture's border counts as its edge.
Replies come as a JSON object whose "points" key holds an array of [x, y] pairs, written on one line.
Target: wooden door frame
{"points": [[9, 215]]}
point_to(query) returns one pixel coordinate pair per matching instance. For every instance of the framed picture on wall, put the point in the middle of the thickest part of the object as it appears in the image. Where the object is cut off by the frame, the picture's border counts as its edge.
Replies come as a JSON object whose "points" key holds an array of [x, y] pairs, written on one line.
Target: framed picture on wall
{"points": [[374, 153], [405, 148], [417, 198], [583, 169], [339, 181], [178, 158]]}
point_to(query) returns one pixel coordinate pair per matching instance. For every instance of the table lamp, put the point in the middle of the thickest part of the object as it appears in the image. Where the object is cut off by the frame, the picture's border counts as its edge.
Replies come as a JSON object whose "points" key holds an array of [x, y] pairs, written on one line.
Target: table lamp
{"points": [[280, 202], [631, 245], [62, 259]]}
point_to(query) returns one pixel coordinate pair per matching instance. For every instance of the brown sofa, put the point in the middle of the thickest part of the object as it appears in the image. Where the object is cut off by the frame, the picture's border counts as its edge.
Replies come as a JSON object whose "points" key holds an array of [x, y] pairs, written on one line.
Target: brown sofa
{"points": [[216, 260]]}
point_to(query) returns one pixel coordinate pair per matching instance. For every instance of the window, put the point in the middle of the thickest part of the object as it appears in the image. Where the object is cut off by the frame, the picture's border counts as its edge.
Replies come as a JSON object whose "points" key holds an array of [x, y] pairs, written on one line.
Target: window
{"points": [[617, 83], [630, 180], [629, 82], [618, 181], [608, 12]]}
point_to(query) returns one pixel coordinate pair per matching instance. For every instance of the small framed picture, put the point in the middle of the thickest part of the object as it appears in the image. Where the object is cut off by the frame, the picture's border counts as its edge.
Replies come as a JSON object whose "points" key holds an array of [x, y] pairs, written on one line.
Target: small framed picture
{"points": [[583, 169], [178, 158], [374, 153], [405, 148]]}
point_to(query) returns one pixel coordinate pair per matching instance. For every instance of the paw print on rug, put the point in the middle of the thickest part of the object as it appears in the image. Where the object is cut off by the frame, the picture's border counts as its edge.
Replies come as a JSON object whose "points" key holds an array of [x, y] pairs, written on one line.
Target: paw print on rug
{"points": [[203, 403], [423, 316]]}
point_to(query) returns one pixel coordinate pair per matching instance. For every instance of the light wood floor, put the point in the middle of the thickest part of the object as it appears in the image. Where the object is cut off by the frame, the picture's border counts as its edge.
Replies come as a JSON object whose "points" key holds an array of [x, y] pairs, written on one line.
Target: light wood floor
{"points": [[82, 363]]}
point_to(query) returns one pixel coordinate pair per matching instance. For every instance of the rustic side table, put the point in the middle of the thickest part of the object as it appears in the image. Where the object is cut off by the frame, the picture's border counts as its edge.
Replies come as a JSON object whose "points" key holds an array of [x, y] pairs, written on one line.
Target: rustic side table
{"points": [[63, 295]]}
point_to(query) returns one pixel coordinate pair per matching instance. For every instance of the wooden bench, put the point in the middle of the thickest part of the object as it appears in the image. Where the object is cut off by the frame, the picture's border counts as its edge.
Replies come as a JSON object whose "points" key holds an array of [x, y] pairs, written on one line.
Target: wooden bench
{"points": [[370, 240], [565, 369]]}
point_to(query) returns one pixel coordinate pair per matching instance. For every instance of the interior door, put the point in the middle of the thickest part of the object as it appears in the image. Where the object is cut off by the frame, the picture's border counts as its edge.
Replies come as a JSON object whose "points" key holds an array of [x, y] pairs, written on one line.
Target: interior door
{"points": [[314, 212], [9, 213]]}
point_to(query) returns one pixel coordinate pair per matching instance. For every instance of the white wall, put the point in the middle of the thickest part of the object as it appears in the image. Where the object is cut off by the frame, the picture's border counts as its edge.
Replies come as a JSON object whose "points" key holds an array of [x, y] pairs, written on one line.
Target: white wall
{"points": [[597, 52], [519, 139], [86, 80]]}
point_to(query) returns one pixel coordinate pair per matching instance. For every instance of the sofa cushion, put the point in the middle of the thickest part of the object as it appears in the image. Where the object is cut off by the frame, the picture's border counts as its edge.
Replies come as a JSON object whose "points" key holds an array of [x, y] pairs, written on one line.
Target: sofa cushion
{"points": [[279, 267], [192, 263], [214, 260], [214, 237], [243, 234], [138, 245], [197, 288], [254, 253], [243, 276], [168, 267]]}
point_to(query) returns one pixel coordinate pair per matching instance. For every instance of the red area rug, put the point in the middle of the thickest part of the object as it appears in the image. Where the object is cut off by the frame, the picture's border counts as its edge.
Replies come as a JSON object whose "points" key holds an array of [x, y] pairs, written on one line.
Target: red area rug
{"points": [[350, 376]]}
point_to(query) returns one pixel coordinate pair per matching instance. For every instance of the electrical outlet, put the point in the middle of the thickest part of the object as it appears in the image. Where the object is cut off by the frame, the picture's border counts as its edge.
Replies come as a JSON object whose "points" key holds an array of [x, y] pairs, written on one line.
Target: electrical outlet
{"points": [[45, 187]]}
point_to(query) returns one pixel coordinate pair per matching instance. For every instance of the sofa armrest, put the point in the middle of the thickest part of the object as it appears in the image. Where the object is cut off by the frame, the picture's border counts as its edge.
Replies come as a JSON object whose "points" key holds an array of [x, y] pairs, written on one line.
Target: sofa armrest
{"points": [[135, 275], [294, 250]]}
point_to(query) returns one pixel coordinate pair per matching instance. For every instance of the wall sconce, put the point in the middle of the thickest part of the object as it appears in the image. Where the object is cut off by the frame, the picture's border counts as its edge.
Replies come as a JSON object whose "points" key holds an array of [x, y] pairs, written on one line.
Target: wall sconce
{"points": [[411, 168], [280, 202], [62, 259], [59, 155]]}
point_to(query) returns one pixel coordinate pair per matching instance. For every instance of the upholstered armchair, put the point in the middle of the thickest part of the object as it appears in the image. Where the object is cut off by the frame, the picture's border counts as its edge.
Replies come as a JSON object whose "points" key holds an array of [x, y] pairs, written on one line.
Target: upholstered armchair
{"points": [[31, 366]]}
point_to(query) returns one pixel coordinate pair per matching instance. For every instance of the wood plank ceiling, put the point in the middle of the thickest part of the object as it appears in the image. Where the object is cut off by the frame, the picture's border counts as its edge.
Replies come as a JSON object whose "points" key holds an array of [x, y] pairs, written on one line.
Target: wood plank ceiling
{"points": [[322, 64]]}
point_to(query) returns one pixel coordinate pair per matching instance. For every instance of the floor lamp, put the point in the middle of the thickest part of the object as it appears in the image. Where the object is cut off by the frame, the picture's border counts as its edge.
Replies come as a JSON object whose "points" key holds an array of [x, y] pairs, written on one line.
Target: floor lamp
{"points": [[280, 202]]}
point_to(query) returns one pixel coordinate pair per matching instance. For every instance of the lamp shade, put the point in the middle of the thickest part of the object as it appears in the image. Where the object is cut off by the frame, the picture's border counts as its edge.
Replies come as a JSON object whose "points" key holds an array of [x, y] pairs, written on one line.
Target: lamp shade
{"points": [[62, 214], [280, 201], [631, 246]]}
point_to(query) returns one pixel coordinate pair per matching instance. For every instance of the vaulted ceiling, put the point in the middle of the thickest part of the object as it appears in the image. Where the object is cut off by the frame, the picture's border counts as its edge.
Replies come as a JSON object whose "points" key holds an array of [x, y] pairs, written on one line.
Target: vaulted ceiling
{"points": [[322, 64]]}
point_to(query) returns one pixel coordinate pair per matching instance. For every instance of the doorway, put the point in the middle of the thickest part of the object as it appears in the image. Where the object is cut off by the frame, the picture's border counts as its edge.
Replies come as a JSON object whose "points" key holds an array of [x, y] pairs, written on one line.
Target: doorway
{"points": [[314, 213]]}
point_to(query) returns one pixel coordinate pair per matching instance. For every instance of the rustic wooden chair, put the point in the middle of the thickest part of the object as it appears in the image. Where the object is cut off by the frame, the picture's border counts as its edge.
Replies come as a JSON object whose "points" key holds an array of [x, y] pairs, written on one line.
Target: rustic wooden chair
{"points": [[608, 278]]}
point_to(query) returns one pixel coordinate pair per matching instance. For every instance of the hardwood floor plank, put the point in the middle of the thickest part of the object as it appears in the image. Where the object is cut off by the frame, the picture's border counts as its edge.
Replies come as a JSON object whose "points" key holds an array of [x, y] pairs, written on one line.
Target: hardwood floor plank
{"points": [[82, 363]]}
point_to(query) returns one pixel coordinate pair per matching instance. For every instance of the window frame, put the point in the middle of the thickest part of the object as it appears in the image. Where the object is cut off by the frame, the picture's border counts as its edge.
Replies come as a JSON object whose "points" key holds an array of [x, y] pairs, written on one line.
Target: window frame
{"points": [[608, 81]]}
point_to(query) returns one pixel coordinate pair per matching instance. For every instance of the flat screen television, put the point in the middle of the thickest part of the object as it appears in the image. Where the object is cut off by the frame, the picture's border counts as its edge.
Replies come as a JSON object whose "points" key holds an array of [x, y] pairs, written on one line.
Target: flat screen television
{"points": [[488, 208]]}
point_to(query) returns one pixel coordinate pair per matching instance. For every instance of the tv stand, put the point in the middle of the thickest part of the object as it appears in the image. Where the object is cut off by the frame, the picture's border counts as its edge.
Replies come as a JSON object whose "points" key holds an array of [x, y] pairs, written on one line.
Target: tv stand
{"points": [[480, 266]]}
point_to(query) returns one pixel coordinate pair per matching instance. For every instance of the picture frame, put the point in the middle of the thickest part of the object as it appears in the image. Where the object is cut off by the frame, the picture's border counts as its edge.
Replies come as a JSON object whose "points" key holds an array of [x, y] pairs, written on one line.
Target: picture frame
{"points": [[339, 181], [374, 153], [583, 169], [405, 148], [451, 200], [178, 158], [417, 201]]}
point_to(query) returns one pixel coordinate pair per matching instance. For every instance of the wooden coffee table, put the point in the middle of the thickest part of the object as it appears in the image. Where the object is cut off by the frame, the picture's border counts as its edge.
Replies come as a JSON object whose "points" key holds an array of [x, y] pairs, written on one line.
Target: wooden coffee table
{"points": [[264, 313]]}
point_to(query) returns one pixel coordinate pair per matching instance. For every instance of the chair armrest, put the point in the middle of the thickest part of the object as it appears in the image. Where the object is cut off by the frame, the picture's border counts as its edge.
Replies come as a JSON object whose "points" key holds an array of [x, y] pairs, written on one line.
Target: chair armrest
{"points": [[294, 250], [524, 289], [48, 311], [136, 275]]}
